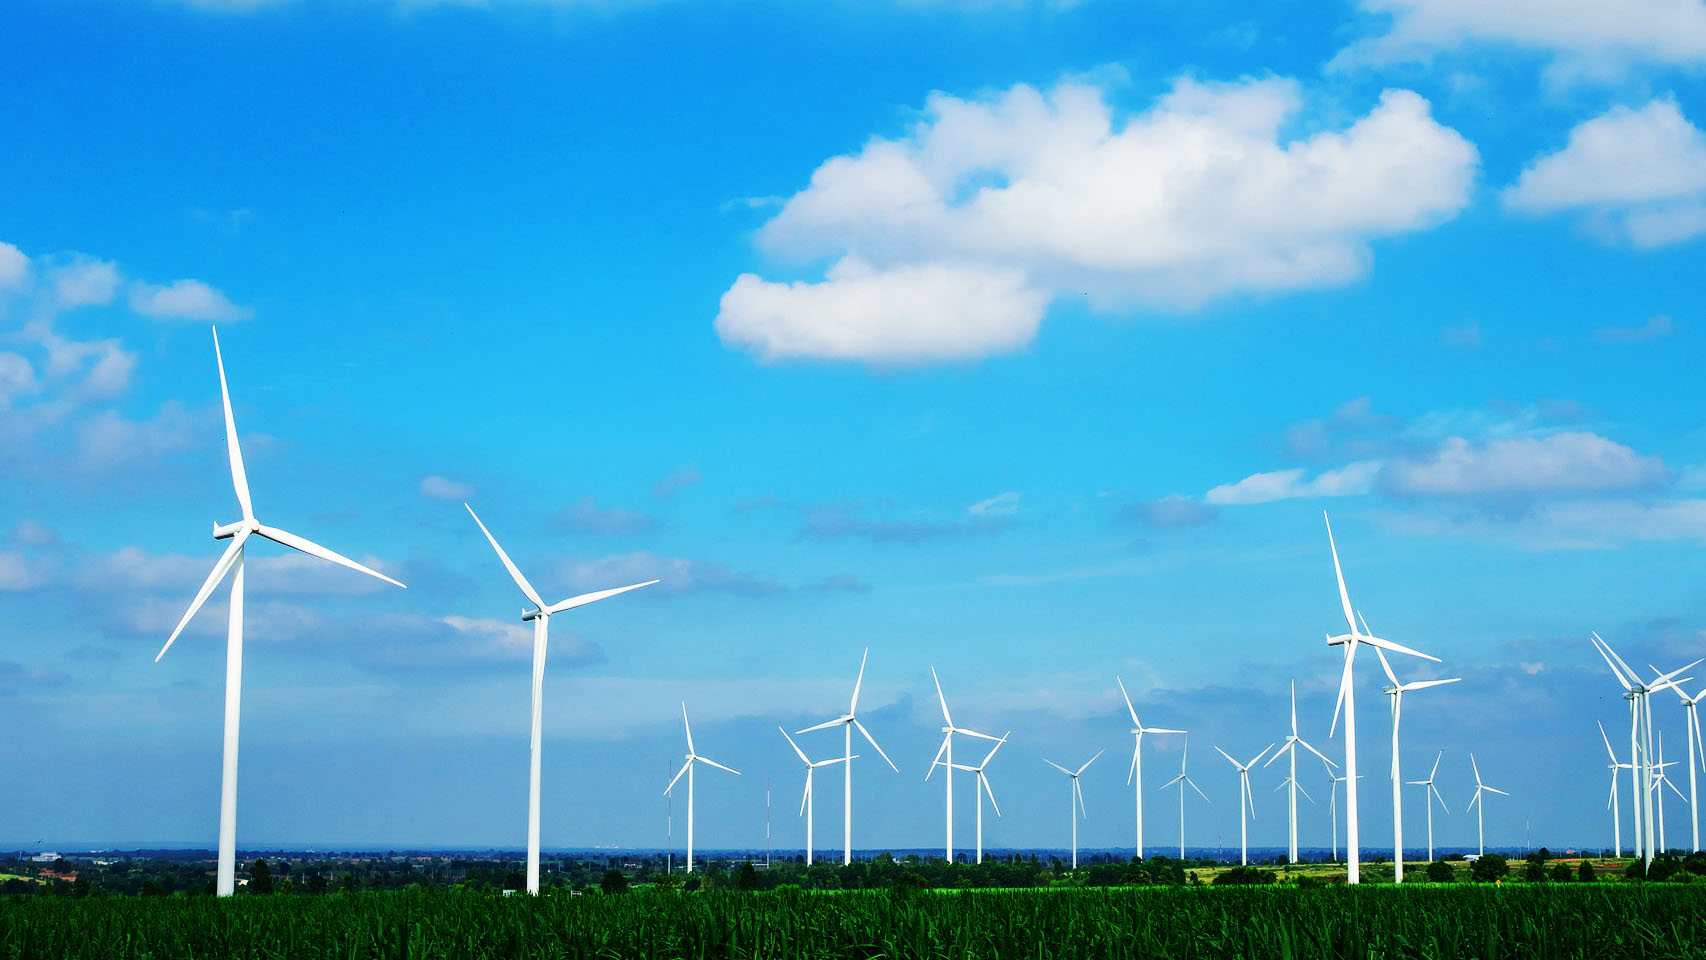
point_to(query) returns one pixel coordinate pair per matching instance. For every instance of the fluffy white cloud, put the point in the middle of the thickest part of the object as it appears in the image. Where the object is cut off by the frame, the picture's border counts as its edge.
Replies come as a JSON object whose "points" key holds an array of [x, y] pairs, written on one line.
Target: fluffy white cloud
{"points": [[184, 300], [1560, 463], [1590, 34], [1350, 480], [17, 377], [675, 575], [443, 488], [950, 241], [1637, 175], [85, 283], [14, 267]]}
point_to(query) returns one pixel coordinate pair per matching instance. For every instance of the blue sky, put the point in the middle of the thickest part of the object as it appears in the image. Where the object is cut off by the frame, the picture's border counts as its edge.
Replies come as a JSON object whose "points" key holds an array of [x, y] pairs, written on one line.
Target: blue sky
{"points": [[1025, 340]]}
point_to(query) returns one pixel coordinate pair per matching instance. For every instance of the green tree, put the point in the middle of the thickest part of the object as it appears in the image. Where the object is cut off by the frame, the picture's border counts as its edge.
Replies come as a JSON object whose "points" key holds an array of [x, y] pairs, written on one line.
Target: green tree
{"points": [[613, 882], [748, 877], [1561, 873], [1584, 873], [1535, 871], [260, 877], [1490, 867], [1440, 872]]}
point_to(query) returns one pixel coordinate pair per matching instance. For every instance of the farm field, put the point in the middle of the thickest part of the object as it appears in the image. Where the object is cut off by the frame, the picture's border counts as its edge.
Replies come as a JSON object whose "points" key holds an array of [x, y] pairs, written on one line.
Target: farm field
{"points": [[1485, 921]]}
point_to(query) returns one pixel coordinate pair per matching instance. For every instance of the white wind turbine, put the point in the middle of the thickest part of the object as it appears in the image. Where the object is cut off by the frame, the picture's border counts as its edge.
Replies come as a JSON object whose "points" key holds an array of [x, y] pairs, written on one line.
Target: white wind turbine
{"points": [[1638, 692], [231, 562], [1430, 793], [847, 722], [1075, 800], [1660, 780], [1289, 747], [1480, 807], [945, 757], [1246, 804], [1616, 815], [1136, 771], [1396, 692], [806, 804], [1333, 807], [983, 788], [1691, 714], [541, 616], [687, 768], [1347, 700], [1182, 780]]}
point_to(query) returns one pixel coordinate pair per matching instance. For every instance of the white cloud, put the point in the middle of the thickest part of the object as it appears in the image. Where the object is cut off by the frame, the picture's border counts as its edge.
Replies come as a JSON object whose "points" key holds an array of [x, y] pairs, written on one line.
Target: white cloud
{"points": [[17, 377], [1596, 35], [184, 300], [85, 283], [442, 488], [1350, 480], [14, 266], [586, 516], [1560, 463], [675, 575], [1657, 326], [18, 571], [950, 241], [1000, 505], [1637, 176]]}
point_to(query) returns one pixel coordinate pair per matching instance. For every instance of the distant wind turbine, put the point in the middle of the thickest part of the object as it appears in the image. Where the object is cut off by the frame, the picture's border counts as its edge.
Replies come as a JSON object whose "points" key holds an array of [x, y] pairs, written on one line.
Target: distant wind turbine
{"points": [[1246, 804], [1692, 715], [1430, 793], [806, 803], [1614, 766], [231, 562], [687, 768], [1289, 748], [1396, 692], [1075, 803], [945, 757], [983, 788], [1135, 774], [1638, 693], [1660, 780], [1182, 780], [541, 616], [847, 722], [1480, 807]]}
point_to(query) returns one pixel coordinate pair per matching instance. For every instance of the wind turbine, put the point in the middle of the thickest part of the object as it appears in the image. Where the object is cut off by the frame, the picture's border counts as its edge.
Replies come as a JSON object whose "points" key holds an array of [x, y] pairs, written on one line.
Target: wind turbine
{"points": [[1347, 700], [1616, 816], [1396, 692], [541, 616], [983, 787], [1430, 794], [1659, 779], [1290, 745], [1136, 771], [231, 562], [1182, 780], [1638, 693], [1077, 794], [1480, 807], [1246, 802], [687, 768], [947, 750], [847, 722], [1333, 807], [1689, 705], [806, 805]]}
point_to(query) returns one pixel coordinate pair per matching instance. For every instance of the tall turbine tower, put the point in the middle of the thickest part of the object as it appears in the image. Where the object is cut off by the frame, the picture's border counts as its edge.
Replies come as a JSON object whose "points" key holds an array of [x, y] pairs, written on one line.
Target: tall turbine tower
{"points": [[1616, 817], [1075, 799], [945, 758], [1182, 780], [1347, 699], [1246, 803], [1691, 714], [231, 562], [541, 616], [847, 722], [1396, 692], [1136, 771], [806, 804], [1480, 808], [1430, 793], [687, 768], [983, 788], [1291, 743]]}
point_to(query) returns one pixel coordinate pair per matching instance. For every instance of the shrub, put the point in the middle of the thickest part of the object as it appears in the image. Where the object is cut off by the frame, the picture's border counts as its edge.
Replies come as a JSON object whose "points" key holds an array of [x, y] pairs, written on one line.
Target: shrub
{"points": [[1440, 872], [1561, 872], [1490, 867], [748, 877], [613, 882], [1244, 876], [1534, 871], [1584, 873], [1636, 870]]}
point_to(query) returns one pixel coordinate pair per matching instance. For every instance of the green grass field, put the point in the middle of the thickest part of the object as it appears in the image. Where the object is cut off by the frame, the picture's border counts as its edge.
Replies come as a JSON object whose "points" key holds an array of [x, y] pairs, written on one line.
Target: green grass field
{"points": [[1449, 921]]}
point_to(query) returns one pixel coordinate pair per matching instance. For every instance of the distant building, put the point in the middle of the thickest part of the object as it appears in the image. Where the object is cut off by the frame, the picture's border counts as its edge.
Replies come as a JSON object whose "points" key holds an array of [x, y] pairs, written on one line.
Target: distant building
{"points": [[48, 857]]}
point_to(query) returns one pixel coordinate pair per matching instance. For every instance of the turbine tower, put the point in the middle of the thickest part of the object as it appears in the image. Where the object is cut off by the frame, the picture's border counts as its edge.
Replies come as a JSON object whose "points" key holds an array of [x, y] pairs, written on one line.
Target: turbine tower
{"points": [[983, 787], [541, 616], [1182, 780], [1430, 793], [847, 722], [1691, 714], [1396, 692], [1075, 800], [231, 562], [1246, 803], [687, 768], [1136, 771], [945, 757], [1347, 699], [1616, 816], [1289, 748], [806, 804], [1480, 807]]}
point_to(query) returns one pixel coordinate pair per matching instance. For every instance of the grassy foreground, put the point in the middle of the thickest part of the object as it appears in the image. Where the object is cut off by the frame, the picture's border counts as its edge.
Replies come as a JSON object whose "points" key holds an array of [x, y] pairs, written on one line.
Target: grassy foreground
{"points": [[1449, 921]]}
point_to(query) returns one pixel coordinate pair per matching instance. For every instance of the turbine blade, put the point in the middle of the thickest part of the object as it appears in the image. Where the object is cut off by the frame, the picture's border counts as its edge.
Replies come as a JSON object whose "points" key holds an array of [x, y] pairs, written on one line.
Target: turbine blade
{"points": [[1344, 595], [803, 758], [1627, 669], [1476, 767], [594, 597], [938, 759], [515, 574], [1440, 797], [718, 765], [838, 721], [1087, 763], [1129, 708], [220, 569], [991, 754], [853, 705], [805, 797], [1167, 730], [1497, 791], [1294, 708], [1384, 665], [974, 733], [872, 740], [1305, 793], [1078, 792], [1170, 783], [1345, 680], [1290, 744], [315, 550], [1674, 790], [1057, 766], [1136, 748], [1424, 684], [687, 726], [1441, 756], [991, 792], [677, 776], [944, 700], [1198, 789], [1258, 756], [1602, 647], [239, 477], [1228, 757], [1399, 648], [1311, 749]]}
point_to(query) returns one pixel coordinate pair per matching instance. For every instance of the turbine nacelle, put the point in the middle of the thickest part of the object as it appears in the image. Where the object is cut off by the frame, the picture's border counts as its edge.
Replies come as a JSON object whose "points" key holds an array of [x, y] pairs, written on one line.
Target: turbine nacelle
{"points": [[225, 531]]}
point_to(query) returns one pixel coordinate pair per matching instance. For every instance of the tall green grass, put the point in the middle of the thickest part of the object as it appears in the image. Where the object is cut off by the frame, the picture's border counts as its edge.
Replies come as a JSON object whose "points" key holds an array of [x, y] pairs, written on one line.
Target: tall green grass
{"points": [[1539, 921]]}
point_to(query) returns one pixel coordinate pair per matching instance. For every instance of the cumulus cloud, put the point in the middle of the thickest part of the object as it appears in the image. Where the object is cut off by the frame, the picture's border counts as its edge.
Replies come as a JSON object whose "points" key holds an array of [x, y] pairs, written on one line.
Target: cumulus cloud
{"points": [[14, 267], [184, 300], [1560, 463], [950, 241], [586, 516], [1633, 176], [1351, 480], [84, 282], [1586, 34], [676, 482], [443, 488]]}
